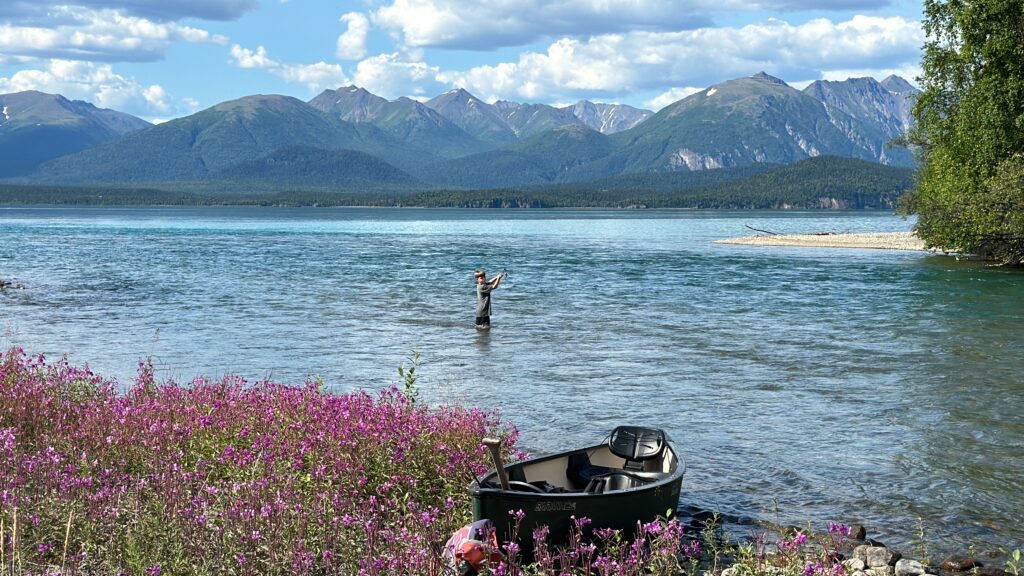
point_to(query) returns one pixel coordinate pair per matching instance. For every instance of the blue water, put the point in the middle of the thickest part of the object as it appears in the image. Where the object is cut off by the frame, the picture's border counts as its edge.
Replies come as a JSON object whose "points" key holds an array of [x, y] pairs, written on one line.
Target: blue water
{"points": [[879, 387]]}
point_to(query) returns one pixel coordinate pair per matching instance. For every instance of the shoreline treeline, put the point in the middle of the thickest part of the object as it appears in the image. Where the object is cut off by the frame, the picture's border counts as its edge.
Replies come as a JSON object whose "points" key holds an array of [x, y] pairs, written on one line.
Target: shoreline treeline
{"points": [[817, 183]]}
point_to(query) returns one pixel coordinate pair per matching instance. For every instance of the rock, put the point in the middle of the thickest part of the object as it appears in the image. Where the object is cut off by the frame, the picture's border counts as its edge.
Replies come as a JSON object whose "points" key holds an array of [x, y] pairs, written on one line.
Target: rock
{"points": [[876, 556], [960, 564], [881, 571], [905, 567], [858, 532], [855, 565], [860, 573], [764, 570]]}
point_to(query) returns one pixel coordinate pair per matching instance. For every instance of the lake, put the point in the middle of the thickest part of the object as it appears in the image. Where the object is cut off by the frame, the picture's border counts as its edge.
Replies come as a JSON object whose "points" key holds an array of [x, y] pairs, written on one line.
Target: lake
{"points": [[860, 386]]}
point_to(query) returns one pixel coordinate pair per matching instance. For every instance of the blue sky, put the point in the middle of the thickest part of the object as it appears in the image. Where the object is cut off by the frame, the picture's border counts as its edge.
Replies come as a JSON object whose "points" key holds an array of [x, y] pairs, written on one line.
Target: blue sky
{"points": [[162, 59]]}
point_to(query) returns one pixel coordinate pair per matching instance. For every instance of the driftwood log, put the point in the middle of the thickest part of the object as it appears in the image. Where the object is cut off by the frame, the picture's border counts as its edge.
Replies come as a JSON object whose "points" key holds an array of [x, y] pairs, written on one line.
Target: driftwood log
{"points": [[780, 234], [765, 231]]}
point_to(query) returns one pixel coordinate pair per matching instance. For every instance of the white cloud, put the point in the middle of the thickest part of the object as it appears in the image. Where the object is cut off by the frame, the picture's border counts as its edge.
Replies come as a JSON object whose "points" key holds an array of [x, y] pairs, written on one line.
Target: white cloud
{"points": [[620, 64], [390, 76], [315, 77], [97, 35], [352, 43], [669, 96], [156, 97], [245, 58], [664, 66], [489, 24], [568, 67], [23, 10], [100, 85]]}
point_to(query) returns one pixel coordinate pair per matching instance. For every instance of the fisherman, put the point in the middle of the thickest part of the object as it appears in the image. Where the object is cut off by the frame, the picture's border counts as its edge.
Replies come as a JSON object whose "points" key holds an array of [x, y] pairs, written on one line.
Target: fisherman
{"points": [[483, 297]]}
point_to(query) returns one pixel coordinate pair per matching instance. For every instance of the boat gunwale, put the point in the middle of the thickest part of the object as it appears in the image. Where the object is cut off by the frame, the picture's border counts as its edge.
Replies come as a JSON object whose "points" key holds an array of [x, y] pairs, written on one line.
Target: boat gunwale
{"points": [[477, 489]]}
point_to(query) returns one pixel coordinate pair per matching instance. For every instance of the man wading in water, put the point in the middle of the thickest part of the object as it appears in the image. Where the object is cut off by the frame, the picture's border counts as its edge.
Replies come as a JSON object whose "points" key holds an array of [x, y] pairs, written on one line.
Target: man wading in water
{"points": [[483, 297]]}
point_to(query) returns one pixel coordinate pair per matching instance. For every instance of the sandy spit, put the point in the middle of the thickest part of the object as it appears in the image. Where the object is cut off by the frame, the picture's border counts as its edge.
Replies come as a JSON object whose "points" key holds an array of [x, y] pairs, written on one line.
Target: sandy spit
{"points": [[877, 240]]}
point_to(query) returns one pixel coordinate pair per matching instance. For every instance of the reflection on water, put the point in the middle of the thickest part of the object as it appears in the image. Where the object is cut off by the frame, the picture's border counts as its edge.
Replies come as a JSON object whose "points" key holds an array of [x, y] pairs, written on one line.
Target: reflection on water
{"points": [[483, 340], [857, 386]]}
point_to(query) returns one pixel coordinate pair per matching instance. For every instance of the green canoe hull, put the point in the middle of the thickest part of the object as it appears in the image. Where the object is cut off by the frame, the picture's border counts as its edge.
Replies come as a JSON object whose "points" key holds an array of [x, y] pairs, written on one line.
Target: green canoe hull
{"points": [[620, 509]]}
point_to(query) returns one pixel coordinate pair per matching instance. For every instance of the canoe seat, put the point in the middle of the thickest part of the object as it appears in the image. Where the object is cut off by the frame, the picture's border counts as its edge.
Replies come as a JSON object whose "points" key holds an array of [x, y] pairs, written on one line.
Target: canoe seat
{"points": [[635, 444], [621, 480], [580, 471]]}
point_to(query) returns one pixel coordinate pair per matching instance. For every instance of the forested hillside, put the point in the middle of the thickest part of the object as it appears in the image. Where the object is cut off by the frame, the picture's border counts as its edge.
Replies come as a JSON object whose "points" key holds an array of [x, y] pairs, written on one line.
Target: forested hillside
{"points": [[817, 183]]}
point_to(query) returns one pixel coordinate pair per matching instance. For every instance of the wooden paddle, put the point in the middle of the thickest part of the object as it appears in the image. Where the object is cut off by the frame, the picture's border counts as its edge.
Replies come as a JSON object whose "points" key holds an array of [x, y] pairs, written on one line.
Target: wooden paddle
{"points": [[494, 445]]}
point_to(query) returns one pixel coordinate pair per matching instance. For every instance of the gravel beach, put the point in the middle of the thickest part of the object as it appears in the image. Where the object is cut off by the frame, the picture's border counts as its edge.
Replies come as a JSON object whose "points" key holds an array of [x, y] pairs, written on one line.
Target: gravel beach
{"points": [[876, 240]]}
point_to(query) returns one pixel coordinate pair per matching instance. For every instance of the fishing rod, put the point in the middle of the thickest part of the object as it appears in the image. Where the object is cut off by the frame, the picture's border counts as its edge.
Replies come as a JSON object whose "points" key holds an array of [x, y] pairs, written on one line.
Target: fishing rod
{"points": [[504, 275], [505, 278]]}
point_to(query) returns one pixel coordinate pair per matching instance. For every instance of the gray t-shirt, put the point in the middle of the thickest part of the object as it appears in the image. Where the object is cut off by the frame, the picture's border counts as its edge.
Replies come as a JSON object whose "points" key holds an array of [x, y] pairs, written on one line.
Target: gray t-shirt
{"points": [[483, 299]]}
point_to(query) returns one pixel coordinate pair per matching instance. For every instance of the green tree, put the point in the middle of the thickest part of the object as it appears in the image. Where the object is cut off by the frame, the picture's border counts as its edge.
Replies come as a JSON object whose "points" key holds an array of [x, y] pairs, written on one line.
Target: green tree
{"points": [[970, 128]]}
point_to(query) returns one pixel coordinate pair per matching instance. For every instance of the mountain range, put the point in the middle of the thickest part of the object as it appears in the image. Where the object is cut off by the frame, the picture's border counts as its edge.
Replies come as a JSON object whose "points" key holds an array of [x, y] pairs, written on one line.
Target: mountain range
{"points": [[36, 127], [349, 138]]}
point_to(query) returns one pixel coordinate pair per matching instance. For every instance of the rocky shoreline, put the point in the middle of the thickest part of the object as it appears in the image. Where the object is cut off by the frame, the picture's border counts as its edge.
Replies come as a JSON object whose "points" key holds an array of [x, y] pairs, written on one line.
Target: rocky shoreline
{"points": [[878, 560], [872, 558], [864, 240]]}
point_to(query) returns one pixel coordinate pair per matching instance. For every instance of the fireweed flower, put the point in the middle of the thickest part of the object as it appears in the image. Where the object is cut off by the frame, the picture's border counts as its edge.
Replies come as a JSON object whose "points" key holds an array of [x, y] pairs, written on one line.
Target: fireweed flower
{"points": [[840, 529], [692, 549], [194, 467], [257, 478]]}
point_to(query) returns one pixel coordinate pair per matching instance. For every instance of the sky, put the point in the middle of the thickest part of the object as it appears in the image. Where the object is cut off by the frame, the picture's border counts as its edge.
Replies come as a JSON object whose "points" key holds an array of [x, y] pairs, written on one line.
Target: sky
{"points": [[162, 59]]}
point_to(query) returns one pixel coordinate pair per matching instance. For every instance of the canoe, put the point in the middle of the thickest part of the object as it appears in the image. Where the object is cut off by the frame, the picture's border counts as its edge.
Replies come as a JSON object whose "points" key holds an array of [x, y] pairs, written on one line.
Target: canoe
{"points": [[634, 476]]}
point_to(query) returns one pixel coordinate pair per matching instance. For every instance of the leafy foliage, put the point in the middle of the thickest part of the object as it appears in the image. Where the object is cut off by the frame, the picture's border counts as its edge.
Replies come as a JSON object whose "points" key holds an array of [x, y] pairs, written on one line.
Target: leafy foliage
{"points": [[971, 128]]}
